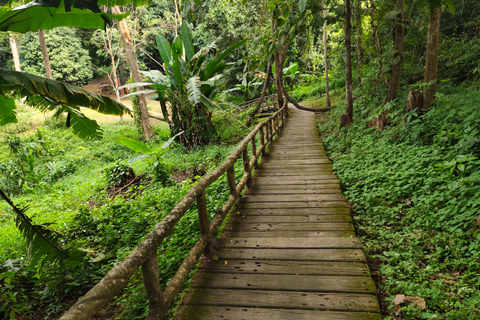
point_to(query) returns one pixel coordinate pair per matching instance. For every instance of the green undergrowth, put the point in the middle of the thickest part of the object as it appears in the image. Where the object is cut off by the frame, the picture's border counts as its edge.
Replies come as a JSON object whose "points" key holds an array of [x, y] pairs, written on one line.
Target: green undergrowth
{"points": [[414, 190], [66, 183]]}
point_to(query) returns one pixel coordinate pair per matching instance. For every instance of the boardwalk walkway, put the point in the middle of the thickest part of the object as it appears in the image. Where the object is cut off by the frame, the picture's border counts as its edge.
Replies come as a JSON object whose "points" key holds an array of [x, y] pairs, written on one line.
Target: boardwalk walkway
{"points": [[291, 252]]}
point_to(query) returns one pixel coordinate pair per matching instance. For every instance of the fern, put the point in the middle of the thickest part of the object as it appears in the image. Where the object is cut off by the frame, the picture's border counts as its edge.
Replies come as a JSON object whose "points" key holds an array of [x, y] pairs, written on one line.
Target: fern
{"points": [[43, 244]]}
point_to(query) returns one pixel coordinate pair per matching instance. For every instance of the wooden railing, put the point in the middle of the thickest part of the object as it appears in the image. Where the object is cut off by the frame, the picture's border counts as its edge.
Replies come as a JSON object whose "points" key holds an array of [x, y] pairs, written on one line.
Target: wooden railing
{"points": [[265, 103], [145, 254]]}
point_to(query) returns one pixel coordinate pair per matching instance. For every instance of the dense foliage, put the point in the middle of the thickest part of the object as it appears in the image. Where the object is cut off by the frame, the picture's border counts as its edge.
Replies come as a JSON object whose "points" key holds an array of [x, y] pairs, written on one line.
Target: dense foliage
{"points": [[414, 190]]}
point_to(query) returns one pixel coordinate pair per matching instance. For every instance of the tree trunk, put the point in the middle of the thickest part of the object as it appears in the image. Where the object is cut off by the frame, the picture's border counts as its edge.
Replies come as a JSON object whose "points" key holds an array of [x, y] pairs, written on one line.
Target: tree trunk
{"points": [[399, 36], [325, 54], [147, 131], [16, 56], [378, 45], [346, 119], [358, 48], [432, 56], [46, 59], [279, 77], [262, 96]]}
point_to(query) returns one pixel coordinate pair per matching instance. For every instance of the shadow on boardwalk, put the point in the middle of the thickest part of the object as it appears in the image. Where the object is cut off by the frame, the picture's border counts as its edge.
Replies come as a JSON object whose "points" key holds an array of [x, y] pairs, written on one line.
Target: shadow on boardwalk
{"points": [[290, 251]]}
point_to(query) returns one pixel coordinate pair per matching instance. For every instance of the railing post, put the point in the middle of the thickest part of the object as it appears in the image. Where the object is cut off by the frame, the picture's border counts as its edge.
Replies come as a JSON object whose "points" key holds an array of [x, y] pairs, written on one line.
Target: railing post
{"points": [[156, 307], [246, 168], [232, 185], [262, 137], [269, 129], [254, 152], [202, 213]]}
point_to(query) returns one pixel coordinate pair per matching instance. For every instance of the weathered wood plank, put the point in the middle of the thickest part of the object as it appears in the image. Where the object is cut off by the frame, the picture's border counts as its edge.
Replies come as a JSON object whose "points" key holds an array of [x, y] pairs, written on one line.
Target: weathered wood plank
{"points": [[283, 243], [232, 313], [286, 282], [293, 197], [305, 180], [309, 226], [293, 211], [294, 190], [305, 254], [247, 218], [291, 234], [286, 299], [299, 204], [313, 268]]}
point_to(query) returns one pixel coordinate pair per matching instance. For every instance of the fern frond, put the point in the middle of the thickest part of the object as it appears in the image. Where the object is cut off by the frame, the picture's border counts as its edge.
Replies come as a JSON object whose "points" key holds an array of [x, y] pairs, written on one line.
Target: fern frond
{"points": [[43, 244]]}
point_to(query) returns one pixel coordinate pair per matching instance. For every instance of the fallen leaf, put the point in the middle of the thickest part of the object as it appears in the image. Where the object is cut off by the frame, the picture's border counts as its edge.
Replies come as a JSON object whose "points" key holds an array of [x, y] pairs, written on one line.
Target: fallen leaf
{"points": [[226, 262], [323, 213], [420, 302], [319, 201], [399, 298]]}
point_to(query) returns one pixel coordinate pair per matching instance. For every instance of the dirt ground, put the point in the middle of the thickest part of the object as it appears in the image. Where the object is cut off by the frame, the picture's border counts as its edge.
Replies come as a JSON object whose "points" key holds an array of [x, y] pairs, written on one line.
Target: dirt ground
{"points": [[96, 87]]}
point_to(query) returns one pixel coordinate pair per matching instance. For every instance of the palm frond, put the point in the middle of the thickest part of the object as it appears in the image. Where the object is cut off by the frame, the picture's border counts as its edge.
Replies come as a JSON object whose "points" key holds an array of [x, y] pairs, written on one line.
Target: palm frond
{"points": [[43, 244]]}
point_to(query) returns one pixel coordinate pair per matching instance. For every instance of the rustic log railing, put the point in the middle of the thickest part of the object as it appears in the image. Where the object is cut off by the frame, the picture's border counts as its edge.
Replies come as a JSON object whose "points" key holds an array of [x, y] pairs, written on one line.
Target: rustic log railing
{"points": [[265, 103], [145, 254]]}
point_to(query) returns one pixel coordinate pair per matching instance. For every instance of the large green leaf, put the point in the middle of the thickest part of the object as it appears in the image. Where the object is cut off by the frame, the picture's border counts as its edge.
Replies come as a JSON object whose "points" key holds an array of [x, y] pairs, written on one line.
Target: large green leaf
{"points": [[193, 89], [177, 48], [164, 49], [47, 94], [50, 14], [216, 65], [187, 42], [134, 145], [7, 111]]}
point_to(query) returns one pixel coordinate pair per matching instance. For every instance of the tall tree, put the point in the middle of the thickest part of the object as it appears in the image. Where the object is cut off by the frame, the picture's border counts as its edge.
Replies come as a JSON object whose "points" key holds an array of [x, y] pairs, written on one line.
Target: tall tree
{"points": [[325, 55], [147, 131], [358, 46], [16, 56], [378, 45], [431, 66], [399, 36], [46, 59], [347, 118]]}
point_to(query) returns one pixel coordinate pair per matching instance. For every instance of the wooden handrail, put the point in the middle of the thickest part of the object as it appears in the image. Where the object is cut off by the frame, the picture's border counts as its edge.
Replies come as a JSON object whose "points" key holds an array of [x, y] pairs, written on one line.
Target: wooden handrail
{"points": [[145, 254]]}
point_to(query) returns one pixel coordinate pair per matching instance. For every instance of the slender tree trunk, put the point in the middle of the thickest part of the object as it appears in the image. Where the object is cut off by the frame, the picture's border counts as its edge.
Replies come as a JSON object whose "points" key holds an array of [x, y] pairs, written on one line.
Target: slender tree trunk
{"points": [[431, 67], [262, 96], [147, 131], [358, 49], [279, 77], [325, 54], [346, 119], [46, 59], [378, 45], [16, 56], [399, 36]]}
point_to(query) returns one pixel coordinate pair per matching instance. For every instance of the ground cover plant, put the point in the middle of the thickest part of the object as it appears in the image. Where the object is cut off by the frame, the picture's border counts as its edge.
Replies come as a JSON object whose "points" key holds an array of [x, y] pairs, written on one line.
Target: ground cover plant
{"points": [[414, 189], [78, 189]]}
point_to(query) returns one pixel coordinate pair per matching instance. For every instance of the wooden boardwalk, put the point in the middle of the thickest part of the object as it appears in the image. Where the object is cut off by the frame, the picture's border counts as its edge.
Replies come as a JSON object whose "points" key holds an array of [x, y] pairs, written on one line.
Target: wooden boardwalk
{"points": [[290, 251]]}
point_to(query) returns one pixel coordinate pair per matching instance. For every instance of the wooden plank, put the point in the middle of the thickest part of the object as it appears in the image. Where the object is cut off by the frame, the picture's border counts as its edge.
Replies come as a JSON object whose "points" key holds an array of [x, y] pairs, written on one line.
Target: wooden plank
{"points": [[311, 179], [293, 197], [232, 313], [291, 234], [309, 226], [299, 243], [304, 204], [286, 282], [295, 174], [286, 299], [293, 211], [301, 161], [292, 218], [304, 254], [318, 268], [265, 190]]}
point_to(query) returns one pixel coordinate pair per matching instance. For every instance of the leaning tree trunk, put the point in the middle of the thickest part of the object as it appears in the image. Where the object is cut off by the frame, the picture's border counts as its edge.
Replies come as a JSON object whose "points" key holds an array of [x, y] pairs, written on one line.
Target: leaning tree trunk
{"points": [[279, 75], [16, 56], [358, 48], [147, 130], [46, 59], [431, 67], [262, 96], [347, 118], [325, 54], [399, 37]]}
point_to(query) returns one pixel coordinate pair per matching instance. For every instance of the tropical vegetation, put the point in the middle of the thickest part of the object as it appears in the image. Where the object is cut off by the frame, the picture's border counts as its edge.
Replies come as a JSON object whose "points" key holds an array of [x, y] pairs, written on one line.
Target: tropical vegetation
{"points": [[398, 82]]}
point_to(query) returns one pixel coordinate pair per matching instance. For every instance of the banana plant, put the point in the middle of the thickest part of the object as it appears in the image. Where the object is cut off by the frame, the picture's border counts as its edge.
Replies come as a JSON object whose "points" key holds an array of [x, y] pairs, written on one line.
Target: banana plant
{"points": [[189, 85]]}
